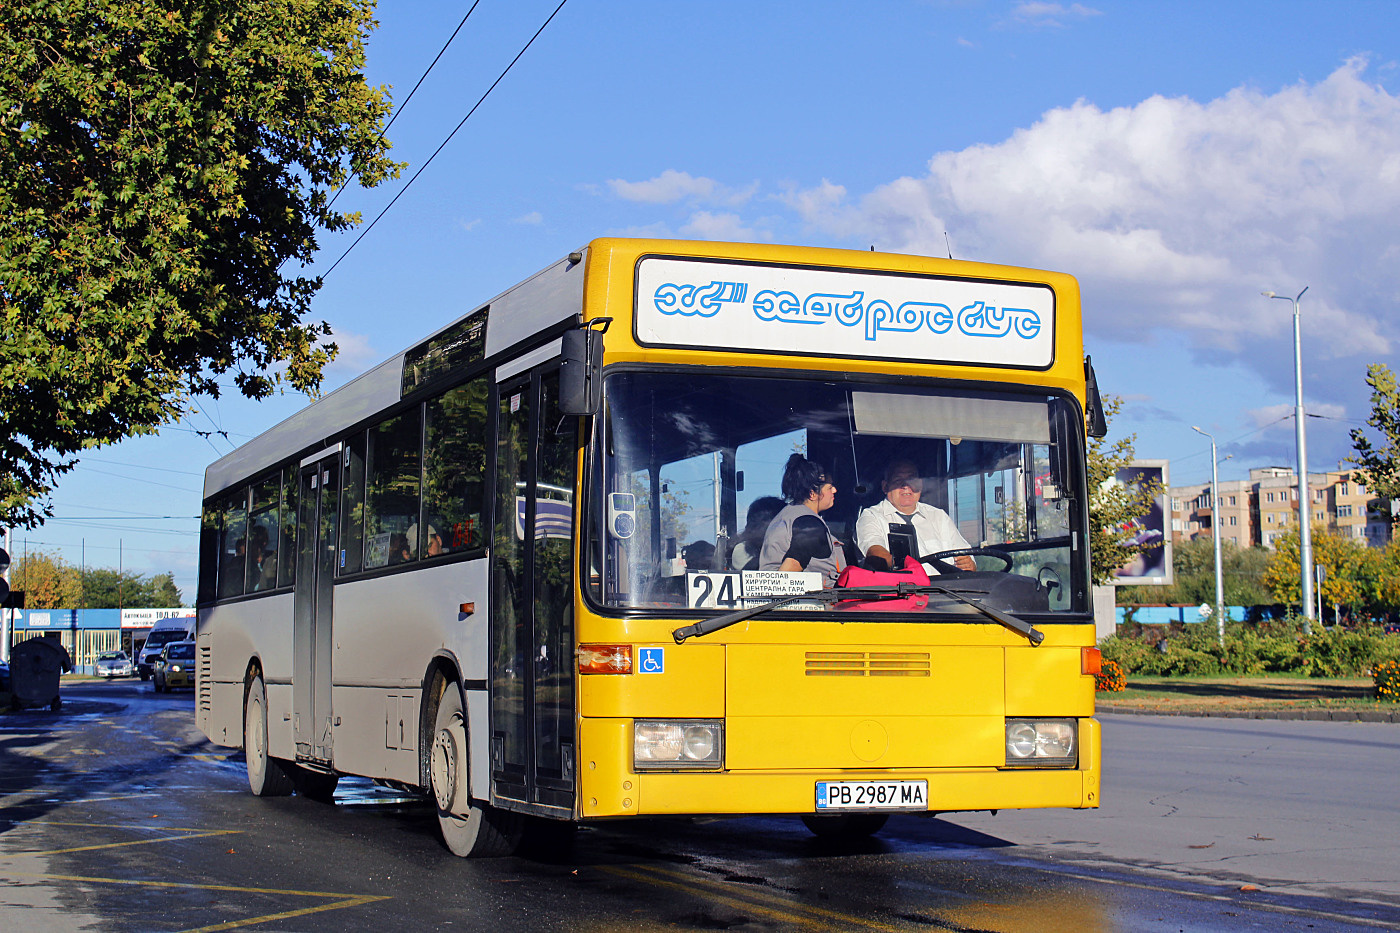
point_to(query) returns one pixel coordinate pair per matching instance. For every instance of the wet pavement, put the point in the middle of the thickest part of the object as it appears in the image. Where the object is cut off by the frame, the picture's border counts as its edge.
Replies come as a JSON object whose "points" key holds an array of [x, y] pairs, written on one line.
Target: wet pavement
{"points": [[118, 815]]}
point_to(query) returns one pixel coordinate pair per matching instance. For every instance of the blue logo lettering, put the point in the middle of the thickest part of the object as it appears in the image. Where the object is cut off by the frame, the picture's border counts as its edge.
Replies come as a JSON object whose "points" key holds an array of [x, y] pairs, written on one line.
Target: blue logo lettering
{"points": [[698, 301], [978, 319]]}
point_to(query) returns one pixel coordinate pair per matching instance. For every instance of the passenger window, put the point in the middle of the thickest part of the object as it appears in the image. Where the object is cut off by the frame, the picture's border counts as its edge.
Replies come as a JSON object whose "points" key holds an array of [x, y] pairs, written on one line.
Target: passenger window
{"points": [[287, 565], [264, 533], [233, 545], [393, 471], [454, 491], [209, 552]]}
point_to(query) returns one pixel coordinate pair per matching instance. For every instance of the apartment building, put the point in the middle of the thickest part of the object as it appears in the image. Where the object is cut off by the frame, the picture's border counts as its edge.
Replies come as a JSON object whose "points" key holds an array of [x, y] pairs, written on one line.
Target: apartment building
{"points": [[1192, 513], [1261, 509]]}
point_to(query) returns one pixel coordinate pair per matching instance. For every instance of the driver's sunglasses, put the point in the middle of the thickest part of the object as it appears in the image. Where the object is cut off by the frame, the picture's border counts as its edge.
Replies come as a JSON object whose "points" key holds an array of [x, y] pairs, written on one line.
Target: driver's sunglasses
{"points": [[912, 482]]}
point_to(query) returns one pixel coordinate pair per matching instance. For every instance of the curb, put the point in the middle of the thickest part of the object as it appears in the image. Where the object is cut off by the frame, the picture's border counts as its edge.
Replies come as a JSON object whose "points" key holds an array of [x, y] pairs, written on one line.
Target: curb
{"points": [[1313, 715]]}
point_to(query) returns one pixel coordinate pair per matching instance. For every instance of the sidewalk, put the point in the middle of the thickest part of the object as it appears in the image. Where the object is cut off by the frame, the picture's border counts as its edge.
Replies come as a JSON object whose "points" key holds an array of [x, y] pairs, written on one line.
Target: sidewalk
{"points": [[1323, 715]]}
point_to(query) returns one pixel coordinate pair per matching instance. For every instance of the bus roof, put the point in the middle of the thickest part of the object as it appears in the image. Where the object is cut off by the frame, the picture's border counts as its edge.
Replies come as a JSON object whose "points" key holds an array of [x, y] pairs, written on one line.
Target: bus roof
{"points": [[537, 310]]}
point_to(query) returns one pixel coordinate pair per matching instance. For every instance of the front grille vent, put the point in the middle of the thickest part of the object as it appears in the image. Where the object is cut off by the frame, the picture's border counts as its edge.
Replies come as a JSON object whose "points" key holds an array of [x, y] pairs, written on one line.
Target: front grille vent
{"points": [[867, 664]]}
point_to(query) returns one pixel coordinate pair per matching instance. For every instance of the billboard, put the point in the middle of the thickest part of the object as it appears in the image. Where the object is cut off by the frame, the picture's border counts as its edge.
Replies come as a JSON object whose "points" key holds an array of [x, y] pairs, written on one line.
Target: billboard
{"points": [[1154, 565]]}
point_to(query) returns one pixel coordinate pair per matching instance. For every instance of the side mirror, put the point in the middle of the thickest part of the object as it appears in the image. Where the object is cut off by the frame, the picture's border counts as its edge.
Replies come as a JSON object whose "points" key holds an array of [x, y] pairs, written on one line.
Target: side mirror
{"points": [[581, 369], [1095, 422]]}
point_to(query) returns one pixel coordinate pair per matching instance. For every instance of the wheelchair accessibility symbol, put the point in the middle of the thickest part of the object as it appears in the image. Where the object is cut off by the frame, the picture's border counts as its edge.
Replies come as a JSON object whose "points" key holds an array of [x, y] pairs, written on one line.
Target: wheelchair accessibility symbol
{"points": [[652, 660]]}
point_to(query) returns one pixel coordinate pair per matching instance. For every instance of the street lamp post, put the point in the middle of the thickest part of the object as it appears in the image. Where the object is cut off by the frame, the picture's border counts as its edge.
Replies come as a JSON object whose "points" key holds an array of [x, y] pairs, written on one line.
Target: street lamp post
{"points": [[1305, 560], [1215, 528]]}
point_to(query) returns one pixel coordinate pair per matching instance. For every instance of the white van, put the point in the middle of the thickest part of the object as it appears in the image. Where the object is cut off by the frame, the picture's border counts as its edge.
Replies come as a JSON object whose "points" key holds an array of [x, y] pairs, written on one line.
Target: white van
{"points": [[179, 628]]}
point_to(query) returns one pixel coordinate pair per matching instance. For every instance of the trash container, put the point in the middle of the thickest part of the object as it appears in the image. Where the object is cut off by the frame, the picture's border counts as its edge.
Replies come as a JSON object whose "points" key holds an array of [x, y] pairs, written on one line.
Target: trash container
{"points": [[35, 666]]}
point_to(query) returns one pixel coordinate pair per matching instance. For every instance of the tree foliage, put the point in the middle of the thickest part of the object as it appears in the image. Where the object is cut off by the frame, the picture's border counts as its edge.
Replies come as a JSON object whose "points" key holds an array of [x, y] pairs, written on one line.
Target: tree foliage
{"points": [[49, 582], [1193, 576], [160, 163], [1114, 509], [1380, 465], [1352, 569]]}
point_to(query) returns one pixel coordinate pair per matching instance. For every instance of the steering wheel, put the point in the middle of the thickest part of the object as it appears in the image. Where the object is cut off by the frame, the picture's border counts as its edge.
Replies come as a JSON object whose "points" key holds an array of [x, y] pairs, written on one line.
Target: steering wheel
{"points": [[943, 566]]}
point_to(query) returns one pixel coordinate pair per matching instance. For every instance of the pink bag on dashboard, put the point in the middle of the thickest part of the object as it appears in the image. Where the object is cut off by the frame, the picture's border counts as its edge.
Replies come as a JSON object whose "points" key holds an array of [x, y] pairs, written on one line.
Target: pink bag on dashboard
{"points": [[854, 575]]}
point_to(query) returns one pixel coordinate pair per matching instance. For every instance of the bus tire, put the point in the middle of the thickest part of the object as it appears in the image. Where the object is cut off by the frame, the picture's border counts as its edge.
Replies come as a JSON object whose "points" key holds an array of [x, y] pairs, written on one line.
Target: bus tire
{"points": [[469, 827], [267, 776], [844, 827]]}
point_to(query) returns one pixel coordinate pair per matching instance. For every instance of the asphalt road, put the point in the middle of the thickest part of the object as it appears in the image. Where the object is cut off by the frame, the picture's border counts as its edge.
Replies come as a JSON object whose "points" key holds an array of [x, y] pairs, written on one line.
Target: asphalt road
{"points": [[115, 814]]}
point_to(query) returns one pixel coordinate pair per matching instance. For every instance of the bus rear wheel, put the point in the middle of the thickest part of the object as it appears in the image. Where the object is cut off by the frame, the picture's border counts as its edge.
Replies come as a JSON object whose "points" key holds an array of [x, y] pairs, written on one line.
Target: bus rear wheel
{"points": [[469, 827], [267, 777], [841, 827]]}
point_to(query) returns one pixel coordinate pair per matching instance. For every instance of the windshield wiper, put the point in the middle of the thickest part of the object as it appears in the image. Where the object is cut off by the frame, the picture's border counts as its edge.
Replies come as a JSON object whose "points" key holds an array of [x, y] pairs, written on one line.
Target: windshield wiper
{"points": [[843, 593]]}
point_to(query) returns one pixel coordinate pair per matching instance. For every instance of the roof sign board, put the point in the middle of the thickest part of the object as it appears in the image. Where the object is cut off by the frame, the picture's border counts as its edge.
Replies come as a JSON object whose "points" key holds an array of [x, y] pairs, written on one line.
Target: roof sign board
{"points": [[846, 313]]}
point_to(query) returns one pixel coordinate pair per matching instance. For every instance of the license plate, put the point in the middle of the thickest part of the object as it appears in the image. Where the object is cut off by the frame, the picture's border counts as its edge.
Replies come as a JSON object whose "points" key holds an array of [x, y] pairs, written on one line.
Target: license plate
{"points": [[872, 795]]}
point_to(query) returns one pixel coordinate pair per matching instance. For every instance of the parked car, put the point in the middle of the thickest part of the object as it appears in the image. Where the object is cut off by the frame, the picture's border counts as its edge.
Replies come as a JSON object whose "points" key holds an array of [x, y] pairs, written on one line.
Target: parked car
{"points": [[179, 628], [114, 664], [175, 667]]}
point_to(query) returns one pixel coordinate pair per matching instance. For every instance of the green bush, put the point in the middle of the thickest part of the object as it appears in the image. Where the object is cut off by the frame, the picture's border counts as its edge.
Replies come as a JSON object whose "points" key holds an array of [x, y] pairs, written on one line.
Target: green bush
{"points": [[1266, 648]]}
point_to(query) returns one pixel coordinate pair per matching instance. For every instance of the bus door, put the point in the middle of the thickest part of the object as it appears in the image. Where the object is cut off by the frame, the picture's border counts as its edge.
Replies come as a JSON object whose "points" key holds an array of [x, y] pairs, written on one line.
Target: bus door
{"points": [[532, 658], [317, 547]]}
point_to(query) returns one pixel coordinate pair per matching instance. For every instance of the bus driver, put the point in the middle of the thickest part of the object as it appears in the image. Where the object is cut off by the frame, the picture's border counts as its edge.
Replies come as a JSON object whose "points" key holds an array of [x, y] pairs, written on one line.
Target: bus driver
{"points": [[931, 525]]}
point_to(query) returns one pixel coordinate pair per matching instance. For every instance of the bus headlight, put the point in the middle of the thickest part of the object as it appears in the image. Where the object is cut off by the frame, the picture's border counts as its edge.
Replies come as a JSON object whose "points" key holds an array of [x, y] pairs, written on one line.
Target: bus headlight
{"points": [[1042, 743], [670, 744]]}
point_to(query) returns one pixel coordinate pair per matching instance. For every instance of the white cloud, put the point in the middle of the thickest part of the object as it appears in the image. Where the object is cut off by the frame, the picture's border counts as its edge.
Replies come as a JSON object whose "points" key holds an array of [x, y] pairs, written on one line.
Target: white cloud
{"points": [[1038, 13], [356, 355], [1281, 416], [672, 186], [1174, 213], [704, 225], [534, 217]]}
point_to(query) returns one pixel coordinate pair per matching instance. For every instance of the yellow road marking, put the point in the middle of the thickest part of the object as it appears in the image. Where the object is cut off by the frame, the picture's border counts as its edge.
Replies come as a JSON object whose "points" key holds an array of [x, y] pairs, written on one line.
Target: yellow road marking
{"points": [[844, 919], [153, 828], [736, 903], [347, 900], [338, 905], [118, 845]]}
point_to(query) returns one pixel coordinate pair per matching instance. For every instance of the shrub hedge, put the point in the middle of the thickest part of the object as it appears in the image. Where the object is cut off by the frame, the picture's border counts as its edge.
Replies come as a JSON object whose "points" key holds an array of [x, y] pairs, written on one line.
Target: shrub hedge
{"points": [[1251, 649]]}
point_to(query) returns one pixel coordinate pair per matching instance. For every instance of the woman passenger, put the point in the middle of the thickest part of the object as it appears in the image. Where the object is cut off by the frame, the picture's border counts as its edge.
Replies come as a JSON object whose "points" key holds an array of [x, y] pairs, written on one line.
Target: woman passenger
{"points": [[798, 538]]}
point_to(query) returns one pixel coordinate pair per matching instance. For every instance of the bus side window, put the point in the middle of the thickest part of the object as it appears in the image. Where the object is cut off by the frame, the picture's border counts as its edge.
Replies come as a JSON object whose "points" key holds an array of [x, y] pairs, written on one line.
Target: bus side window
{"points": [[454, 467], [393, 474], [233, 545], [263, 535], [287, 565], [209, 551]]}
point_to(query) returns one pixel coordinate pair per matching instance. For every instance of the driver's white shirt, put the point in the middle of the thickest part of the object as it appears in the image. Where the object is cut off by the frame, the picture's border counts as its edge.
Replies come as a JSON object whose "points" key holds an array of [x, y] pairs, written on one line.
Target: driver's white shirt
{"points": [[935, 530]]}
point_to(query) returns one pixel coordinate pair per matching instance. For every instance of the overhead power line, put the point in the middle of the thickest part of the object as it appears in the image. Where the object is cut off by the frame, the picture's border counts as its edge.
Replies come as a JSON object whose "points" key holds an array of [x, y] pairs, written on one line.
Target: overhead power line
{"points": [[444, 143], [401, 107]]}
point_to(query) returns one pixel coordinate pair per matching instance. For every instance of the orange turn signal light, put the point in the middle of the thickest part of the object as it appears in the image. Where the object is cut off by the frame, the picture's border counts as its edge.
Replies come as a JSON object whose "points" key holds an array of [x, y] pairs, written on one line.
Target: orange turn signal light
{"points": [[1090, 661], [605, 659]]}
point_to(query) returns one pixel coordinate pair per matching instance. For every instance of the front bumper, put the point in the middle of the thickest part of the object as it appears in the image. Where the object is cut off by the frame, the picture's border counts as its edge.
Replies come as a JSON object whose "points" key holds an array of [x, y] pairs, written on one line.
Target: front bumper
{"points": [[610, 788]]}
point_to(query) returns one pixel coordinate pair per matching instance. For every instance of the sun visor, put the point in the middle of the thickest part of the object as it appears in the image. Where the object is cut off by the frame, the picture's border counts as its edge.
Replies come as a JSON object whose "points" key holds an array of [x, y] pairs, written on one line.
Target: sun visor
{"points": [[962, 417]]}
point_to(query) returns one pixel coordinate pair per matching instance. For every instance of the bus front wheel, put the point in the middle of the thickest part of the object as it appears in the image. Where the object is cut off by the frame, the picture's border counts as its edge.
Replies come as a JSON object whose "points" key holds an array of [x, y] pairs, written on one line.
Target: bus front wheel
{"points": [[469, 827], [266, 775]]}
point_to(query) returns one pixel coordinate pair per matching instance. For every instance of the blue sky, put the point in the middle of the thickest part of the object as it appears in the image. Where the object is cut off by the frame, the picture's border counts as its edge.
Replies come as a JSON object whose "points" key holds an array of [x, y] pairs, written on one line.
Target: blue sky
{"points": [[1178, 158]]}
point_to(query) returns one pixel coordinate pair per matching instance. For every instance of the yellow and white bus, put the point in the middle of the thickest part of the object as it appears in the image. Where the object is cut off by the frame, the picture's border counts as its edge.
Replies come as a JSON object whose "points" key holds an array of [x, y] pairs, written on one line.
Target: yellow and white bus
{"points": [[499, 568]]}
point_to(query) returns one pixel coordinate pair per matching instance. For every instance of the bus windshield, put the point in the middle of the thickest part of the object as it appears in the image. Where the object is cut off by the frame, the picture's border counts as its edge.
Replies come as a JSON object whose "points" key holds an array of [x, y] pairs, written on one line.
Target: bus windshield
{"points": [[690, 477]]}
